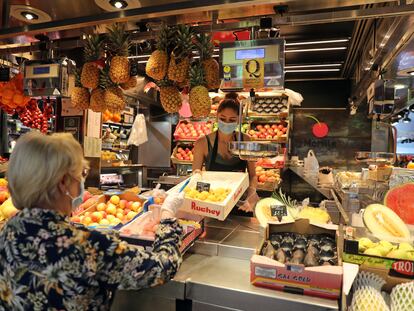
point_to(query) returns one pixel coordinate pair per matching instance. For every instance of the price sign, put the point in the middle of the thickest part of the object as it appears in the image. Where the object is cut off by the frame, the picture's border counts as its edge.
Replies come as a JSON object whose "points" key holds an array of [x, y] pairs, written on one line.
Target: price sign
{"points": [[202, 186], [278, 211]]}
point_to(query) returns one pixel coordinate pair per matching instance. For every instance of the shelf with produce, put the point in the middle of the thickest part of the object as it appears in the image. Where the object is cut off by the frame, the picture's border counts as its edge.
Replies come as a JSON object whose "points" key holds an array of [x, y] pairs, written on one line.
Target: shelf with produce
{"points": [[190, 131], [273, 131], [182, 154]]}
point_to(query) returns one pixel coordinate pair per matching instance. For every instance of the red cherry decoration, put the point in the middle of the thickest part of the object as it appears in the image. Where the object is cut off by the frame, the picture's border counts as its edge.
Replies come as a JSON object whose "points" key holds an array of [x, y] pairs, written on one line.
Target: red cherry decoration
{"points": [[320, 129]]}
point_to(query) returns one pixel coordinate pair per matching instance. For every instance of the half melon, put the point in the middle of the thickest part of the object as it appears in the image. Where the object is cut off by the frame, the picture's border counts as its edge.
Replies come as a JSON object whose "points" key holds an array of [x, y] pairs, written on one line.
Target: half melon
{"points": [[264, 214], [384, 223], [401, 200]]}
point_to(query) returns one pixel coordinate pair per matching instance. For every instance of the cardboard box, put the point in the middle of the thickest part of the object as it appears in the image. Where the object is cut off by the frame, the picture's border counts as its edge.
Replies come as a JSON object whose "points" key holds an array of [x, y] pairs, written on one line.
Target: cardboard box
{"points": [[191, 233], [321, 281], [237, 182], [390, 267]]}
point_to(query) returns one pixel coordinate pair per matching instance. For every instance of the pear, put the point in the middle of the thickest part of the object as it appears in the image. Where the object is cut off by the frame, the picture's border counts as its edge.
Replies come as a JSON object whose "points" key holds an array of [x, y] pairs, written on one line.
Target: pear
{"points": [[406, 246], [387, 246], [364, 244], [382, 250], [373, 252], [399, 254]]}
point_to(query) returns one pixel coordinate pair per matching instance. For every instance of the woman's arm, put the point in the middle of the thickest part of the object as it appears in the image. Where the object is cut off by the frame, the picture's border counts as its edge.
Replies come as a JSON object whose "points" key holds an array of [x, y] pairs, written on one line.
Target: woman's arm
{"points": [[121, 266], [199, 153]]}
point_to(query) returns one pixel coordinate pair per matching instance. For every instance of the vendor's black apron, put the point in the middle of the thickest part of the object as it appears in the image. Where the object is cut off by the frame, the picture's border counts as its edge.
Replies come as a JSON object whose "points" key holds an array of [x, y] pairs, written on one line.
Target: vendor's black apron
{"points": [[215, 162]]}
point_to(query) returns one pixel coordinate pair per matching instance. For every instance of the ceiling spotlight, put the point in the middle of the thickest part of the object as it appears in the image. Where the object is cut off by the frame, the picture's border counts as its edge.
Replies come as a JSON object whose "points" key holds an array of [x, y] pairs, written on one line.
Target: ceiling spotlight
{"points": [[119, 4], [400, 115], [29, 15]]}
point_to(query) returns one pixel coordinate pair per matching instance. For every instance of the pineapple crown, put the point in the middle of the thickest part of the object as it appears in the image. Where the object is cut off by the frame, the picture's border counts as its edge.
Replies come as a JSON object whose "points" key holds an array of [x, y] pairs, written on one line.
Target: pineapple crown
{"points": [[164, 36], [184, 41], [197, 75], [93, 47], [118, 40], [105, 81], [205, 46], [165, 83], [77, 73]]}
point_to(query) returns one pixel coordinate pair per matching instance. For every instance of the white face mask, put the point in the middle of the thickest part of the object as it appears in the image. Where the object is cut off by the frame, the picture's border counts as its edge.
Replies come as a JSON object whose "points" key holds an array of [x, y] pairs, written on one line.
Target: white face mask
{"points": [[77, 201]]}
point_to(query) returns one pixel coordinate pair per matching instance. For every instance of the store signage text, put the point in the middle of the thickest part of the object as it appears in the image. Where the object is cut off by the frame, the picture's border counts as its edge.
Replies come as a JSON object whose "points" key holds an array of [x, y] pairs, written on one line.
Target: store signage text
{"points": [[313, 143], [236, 194], [297, 278], [404, 267], [202, 209]]}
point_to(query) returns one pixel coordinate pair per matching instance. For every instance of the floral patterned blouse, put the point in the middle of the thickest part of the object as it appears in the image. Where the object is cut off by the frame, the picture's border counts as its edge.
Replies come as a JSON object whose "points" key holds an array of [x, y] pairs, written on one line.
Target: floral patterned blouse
{"points": [[48, 264]]}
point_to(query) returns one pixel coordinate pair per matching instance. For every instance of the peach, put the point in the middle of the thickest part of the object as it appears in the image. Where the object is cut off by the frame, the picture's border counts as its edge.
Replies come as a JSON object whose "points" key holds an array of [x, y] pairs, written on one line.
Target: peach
{"points": [[110, 217], [87, 220], [126, 211], [122, 203], [129, 204], [101, 207], [114, 199], [93, 224], [135, 206], [119, 210], [111, 209], [120, 216], [87, 214], [96, 216], [75, 219], [131, 215], [104, 214], [104, 222]]}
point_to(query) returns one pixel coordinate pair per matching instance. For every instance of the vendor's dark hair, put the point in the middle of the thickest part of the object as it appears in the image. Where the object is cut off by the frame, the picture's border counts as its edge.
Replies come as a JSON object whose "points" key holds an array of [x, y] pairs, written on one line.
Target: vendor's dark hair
{"points": [[229, 104], [232, 95]]}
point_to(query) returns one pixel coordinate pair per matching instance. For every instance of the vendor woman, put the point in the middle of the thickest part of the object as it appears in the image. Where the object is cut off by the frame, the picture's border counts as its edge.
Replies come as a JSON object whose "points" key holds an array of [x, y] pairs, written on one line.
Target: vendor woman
{"points": [[212, 150]]}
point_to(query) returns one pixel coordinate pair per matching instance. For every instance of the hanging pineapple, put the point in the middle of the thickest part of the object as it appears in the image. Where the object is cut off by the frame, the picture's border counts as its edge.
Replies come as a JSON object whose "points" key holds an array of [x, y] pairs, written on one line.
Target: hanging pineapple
{"points": [[80, 95], [113, 97], [200, 102], [180, 56], [157, 64], [92, 53], [131, 83], [97, 102], [210, 65], [170, 96], [118, 44]]}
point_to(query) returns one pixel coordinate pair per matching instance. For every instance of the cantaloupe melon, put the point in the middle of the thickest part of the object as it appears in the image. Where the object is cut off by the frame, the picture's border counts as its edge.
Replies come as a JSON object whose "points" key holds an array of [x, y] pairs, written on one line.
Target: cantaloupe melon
{"points": [[383, 222], [401, 200], [263, 212]]}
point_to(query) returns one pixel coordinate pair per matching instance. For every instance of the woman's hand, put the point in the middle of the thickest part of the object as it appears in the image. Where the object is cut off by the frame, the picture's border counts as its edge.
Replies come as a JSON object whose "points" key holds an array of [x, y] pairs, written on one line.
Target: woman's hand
{"points": [[251, 200], [171, 204], [195, 178]]}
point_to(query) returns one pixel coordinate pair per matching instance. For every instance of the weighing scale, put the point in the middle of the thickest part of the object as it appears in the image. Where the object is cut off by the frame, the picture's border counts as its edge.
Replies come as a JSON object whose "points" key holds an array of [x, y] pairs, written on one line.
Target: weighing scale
{"points": [[48, 77], [252, 64]]}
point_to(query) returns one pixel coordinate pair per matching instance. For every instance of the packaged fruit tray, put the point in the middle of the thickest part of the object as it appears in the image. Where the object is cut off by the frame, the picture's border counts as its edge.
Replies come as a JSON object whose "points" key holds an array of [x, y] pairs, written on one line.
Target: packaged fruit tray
{"points": [[141, 231], [226, 189], [112, 211], [182, 154], [299, 257], [191, 131], [270, 106], [269, 131], [276, 162]]}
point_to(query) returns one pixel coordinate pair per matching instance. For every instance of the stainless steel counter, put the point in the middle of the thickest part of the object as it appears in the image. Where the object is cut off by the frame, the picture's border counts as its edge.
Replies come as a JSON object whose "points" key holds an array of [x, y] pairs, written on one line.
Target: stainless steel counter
{"points": [[216, 276]]}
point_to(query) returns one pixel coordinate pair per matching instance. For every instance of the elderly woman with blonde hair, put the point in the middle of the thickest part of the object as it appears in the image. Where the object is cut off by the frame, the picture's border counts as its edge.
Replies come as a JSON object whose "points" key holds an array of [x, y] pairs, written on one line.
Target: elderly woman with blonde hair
{"points": [[48, 264]]}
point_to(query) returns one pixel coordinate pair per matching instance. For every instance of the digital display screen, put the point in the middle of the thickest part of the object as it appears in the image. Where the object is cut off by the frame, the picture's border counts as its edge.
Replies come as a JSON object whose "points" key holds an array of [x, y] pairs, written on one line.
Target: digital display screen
{"points": [[41, 70], [249, 54]]}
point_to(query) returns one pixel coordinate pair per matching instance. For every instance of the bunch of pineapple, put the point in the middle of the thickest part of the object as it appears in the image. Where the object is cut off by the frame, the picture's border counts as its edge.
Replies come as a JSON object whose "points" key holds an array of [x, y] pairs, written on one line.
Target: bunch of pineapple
{"points": [[179, 65], [210, 65], [97, 102], [118, 44], [108, 96], [80, 95], [92, 53], [170, 96], [199, 100]]}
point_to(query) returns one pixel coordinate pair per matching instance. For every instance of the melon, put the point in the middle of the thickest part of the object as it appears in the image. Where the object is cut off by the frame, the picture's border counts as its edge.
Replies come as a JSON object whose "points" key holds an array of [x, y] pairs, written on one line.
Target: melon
{"points": [[384, 223], [264, 215], [401, 200]]}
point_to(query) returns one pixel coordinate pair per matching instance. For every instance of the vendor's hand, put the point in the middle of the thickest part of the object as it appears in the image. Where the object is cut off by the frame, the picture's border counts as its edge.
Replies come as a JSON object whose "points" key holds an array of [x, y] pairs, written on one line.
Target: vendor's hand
{"points": [[171, 204], [250, 203]]}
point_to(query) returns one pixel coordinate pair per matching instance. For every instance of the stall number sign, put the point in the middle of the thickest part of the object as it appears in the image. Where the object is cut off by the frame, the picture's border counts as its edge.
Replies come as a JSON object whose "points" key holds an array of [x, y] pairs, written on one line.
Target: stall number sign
{"points": [[253, 73], [202, 186], [278, 211]]}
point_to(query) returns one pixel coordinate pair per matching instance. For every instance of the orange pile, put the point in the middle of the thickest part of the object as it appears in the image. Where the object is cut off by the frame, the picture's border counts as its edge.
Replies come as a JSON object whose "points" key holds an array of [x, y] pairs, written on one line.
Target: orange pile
{"points": [[11, 93], [109, 116]]}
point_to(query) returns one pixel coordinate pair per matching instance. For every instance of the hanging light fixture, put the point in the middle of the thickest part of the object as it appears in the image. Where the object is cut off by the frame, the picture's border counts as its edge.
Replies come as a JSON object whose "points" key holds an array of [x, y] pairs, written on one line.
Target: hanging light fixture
{"points": [[29, 15], [400, 115], [119, 4], [406, 118], [412, 108]]}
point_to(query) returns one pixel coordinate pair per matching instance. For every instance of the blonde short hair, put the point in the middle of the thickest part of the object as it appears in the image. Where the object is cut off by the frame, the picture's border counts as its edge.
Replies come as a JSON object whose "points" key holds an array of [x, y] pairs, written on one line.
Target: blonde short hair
{"points": [[38, 163]]}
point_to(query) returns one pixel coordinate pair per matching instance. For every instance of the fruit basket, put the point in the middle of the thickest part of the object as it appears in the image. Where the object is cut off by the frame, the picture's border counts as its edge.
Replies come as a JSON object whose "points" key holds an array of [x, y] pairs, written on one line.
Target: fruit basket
{"points": [[112, 211], [269, 131], [191, 131], [267, 179], [182, 154], [270, 106], [141, 231]]}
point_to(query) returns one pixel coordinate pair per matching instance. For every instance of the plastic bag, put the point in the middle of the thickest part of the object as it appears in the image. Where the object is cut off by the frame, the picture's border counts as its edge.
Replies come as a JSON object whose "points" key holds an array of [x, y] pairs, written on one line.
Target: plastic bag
{"points": [[138, 134], [311, 163], [295, 98]]}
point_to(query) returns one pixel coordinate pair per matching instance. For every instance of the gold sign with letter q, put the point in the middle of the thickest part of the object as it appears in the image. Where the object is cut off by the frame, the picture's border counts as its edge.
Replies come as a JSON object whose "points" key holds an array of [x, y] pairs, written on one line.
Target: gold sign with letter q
{"points": [[253, 73]]}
